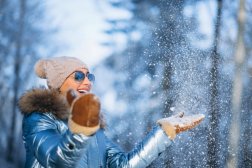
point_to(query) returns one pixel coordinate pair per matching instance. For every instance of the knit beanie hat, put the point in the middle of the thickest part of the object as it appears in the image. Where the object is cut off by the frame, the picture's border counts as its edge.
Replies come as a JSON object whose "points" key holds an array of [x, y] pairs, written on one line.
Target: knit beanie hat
{"points": [[56, 70]]}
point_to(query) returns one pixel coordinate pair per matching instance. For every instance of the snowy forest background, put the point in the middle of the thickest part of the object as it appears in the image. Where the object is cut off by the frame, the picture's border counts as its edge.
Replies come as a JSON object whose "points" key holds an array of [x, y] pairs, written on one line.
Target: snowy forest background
{"points": [[168, 56]]}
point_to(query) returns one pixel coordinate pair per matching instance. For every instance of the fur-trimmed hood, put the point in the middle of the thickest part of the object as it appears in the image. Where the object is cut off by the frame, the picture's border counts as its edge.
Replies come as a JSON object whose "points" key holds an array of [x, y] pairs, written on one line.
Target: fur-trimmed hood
{"points": [[47, 100], [44, 100]]}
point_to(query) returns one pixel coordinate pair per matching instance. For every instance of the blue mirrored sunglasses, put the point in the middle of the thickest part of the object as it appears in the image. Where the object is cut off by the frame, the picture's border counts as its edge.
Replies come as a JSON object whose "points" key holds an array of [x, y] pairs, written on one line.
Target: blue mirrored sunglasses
{"points": [[79, 76]]}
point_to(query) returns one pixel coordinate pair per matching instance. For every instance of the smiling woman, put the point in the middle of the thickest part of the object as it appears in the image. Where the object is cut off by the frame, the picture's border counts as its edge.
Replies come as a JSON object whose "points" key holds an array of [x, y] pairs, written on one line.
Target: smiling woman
{"points": [[63, 127]]}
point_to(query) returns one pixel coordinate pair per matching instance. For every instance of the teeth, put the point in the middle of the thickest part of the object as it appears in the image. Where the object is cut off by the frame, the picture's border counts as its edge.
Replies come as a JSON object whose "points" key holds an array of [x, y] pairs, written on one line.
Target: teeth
{"points": [[82, 91]]}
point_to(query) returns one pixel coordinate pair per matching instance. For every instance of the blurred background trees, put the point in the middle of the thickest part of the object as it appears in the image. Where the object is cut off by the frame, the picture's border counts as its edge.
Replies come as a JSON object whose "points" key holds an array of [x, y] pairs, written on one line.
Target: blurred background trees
{"points": [[182, 67], [166, 57], [22, 39]]}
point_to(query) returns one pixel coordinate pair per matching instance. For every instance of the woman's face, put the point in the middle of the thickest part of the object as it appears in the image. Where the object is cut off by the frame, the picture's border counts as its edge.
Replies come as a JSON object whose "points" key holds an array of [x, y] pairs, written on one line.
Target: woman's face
{"points": [[76, 82]]}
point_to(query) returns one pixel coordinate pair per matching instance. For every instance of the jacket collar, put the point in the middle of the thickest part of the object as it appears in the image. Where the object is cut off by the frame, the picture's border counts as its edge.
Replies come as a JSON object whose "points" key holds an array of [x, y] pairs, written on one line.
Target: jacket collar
{"points": [[44, 100]]}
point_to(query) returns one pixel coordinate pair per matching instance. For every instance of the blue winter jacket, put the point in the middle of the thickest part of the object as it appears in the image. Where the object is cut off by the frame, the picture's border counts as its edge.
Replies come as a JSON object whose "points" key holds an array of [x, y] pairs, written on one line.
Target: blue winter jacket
{"points": [[49, 142]]}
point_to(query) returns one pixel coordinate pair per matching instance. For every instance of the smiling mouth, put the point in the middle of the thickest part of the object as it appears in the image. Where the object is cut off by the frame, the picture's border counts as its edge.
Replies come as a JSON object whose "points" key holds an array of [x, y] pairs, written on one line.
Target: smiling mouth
{"points": [[82, 91]]}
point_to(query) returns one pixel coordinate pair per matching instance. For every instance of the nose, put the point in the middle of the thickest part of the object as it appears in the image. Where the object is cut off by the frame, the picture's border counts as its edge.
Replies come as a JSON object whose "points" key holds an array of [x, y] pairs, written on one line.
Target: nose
{"points": [[86, 82]]}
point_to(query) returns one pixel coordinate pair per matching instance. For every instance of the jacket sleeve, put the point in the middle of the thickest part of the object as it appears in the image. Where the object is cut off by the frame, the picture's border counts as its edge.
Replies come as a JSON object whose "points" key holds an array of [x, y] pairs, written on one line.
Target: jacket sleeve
{"points": [[142, 155], [50, 147]]}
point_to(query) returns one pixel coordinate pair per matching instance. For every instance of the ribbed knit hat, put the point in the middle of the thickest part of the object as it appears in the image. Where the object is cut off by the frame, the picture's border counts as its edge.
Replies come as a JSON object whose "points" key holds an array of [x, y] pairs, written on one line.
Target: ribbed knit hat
{"points": [[56, 70]]}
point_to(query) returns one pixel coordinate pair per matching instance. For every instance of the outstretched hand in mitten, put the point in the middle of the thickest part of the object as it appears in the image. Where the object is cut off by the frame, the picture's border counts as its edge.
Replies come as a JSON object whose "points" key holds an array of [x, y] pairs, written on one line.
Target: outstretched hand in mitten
{"points": [[85, 113], [179, 123]]}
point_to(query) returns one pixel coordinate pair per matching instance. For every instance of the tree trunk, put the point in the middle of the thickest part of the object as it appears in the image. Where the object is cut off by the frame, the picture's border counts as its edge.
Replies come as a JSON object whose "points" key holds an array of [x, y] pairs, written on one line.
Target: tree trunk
{"points": [[212, 160], [17, 60], [234, 132]]}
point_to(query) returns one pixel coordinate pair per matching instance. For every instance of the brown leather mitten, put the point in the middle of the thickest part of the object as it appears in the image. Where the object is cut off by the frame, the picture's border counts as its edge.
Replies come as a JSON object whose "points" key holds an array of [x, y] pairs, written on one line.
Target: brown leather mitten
{"points": [[85, 113], [179, 123]]}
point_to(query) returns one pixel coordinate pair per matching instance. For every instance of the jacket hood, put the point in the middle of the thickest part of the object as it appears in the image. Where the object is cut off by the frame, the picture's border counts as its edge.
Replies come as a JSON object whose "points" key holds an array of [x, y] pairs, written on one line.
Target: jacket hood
{"points": [[44, 100]]}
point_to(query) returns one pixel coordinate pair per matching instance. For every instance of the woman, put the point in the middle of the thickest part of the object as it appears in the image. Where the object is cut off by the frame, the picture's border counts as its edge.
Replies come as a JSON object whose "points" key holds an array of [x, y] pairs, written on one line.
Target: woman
{"points": [[62, 126]]}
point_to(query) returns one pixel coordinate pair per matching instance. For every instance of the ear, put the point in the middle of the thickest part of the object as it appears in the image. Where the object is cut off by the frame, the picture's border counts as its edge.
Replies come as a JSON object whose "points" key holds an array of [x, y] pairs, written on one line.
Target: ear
{"points": [[70, 96]]}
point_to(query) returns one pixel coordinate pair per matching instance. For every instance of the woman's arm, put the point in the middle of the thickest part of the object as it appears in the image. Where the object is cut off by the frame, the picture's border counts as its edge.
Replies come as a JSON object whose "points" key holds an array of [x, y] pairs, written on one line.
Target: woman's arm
{"points": [[50, 147], [142, 155], [155, 142]]}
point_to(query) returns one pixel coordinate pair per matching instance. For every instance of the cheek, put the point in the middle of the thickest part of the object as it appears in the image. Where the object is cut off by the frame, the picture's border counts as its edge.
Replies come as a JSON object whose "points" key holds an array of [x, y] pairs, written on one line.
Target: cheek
{"points": [[69, 85], [73, 85]]}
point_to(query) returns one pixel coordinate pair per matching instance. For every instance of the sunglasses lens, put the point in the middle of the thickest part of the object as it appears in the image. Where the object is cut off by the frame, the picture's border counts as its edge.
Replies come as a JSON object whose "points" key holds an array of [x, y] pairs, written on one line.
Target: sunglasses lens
{"points": [[91, 77], [79, 76]]}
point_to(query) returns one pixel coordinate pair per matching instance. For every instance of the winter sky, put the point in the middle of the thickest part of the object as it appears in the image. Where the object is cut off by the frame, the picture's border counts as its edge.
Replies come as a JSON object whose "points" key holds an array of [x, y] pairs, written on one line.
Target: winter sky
{"points": [[81, 25]]}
